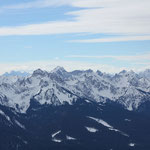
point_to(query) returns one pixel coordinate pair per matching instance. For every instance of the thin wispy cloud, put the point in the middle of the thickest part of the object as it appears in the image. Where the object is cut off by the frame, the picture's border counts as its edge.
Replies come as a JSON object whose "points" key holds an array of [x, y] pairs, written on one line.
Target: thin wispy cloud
{"points": [[130, 19], [37, 4], [118, 39], [138, 58]]}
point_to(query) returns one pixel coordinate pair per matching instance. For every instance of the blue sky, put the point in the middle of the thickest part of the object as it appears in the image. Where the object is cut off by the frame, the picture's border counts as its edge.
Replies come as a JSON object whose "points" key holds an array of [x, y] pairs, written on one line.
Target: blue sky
{"points": [[108, 35]]}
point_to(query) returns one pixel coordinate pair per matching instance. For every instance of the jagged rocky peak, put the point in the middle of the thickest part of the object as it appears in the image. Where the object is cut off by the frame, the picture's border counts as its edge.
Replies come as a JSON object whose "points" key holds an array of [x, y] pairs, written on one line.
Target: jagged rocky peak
{"points": [[122, 72], [58, 69], [99, 73], [76, 72], [125, 73], [79, 72], [89, 71], [39, 72], [145, 73], [59, 72], [131, 72]]}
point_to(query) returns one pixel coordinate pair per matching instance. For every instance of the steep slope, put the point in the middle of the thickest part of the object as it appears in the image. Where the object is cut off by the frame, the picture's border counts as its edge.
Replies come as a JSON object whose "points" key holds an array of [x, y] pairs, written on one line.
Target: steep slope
{"points": [[85, 125]]}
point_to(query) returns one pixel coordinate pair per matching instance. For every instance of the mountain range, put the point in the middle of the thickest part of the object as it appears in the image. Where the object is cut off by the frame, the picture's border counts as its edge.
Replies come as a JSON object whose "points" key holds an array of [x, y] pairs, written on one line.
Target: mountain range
{"points": [[83, 110]]}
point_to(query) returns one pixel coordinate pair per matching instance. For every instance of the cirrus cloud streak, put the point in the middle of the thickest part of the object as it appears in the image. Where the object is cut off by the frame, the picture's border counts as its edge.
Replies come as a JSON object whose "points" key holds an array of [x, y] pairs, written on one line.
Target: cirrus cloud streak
{"points": [[136, 58], [130, 19]]}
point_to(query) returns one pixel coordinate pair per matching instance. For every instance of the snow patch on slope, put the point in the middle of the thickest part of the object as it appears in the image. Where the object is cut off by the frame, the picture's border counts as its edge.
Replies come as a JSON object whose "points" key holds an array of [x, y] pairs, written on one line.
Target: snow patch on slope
{"points": [[93, 130], [132, 144], [104, 123], [19, 124], [3, 114], [54, 137], [70, 138], [56, 133]]}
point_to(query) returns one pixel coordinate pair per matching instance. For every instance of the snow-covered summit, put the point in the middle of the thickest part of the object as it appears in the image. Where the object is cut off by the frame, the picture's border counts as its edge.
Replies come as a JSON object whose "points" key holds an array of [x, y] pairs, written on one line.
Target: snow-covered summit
{"points": [[39, 72], [59, 87], [58, 69]]}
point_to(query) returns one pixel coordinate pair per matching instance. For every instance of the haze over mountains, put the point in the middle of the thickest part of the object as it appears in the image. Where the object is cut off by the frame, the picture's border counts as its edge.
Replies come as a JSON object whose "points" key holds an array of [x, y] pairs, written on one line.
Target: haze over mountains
{"points": [[16, 73]]}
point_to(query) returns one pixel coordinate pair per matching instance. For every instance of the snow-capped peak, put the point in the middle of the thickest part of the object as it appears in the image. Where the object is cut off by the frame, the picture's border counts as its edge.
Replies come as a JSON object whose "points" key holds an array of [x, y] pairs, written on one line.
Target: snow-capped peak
{"points": [[58, 69], [59, 86], [39, 72]]}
